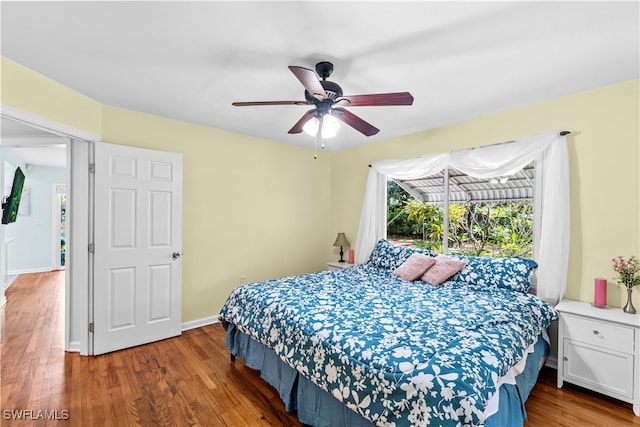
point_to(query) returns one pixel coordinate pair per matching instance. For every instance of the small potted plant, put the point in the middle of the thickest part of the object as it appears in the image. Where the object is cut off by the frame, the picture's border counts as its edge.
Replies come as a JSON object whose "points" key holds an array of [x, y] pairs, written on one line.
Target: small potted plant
{"points": [[628, 276]]}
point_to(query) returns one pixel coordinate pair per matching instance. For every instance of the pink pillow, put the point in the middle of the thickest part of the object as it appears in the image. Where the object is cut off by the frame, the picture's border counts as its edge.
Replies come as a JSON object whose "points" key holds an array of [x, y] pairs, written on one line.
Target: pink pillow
{"points": [[444, 268], [414, 267]]}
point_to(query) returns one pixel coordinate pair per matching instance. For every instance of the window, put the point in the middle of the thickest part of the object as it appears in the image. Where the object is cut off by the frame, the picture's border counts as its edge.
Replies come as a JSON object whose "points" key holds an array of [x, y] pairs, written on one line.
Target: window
{"points": [[485, 217], [504, 160]]}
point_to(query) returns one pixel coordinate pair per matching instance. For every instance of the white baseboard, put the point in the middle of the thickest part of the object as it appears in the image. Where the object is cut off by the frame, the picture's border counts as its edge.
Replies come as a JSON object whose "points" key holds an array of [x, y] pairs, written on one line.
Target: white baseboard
{"points": [[199, 323], [74, 346], [29, 270], [552, 362]]}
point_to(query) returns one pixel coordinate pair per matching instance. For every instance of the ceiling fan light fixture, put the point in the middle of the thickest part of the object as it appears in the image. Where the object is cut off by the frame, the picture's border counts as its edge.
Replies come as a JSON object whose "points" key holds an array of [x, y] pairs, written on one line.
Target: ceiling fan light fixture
{"points": [[330, 126]]}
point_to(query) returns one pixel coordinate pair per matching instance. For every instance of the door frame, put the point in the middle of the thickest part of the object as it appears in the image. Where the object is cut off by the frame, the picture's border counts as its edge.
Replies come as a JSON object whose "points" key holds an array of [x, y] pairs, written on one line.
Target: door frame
{"points": [[55, 225], [78, 278]]}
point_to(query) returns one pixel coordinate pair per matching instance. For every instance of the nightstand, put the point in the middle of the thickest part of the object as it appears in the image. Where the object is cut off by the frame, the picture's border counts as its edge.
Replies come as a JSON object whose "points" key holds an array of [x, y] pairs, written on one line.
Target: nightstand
{"points": [[337, 265], [599, 349]]}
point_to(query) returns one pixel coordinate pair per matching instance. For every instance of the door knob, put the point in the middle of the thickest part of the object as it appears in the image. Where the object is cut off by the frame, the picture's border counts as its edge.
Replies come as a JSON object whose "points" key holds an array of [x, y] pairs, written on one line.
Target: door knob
{"points": [[176, 255]]}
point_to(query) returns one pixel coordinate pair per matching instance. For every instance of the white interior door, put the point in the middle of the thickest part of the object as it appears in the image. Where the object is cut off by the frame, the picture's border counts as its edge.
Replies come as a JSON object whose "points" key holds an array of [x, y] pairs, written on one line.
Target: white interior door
{"points": [[137, 246]]}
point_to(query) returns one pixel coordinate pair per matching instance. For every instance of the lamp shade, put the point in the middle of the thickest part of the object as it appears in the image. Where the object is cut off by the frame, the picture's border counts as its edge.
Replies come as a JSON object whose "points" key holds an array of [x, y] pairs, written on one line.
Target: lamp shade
{"points": [[341, 240], [330, 126]]}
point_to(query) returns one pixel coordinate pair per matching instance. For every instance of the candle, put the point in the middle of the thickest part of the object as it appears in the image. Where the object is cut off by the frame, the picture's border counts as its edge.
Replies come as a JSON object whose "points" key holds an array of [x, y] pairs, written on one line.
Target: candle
{"points": [[351, 256], [600, 294]]}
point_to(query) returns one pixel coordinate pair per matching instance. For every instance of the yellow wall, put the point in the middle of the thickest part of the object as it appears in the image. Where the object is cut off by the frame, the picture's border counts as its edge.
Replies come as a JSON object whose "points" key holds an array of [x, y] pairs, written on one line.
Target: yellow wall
{"points": [[263, 209], [23, 89], [252, 207], [605, 183]]}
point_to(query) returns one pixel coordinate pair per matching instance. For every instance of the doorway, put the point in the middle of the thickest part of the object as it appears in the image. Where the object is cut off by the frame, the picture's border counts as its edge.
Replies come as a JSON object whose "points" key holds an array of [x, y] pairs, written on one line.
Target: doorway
{"points": [[42, 158], [80, 217], [23, 133]]}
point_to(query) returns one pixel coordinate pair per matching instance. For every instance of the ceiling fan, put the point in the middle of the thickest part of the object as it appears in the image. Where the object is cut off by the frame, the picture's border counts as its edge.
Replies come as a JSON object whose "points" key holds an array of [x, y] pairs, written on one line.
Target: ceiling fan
{"points": [[328, 100]]}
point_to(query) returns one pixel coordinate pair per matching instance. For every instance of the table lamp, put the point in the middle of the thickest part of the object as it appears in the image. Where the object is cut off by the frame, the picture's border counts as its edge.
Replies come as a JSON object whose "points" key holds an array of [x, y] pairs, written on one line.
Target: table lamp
{"points": [[341, 241]]}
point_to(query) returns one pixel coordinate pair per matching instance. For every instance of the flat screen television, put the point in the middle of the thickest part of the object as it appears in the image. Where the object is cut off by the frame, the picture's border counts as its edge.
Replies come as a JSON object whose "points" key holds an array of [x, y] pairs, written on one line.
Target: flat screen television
{"points": [[11, 203]]}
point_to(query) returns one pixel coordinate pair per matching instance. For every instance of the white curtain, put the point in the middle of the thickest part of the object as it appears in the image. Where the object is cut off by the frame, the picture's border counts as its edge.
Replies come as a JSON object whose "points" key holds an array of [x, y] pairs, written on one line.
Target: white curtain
{"points": [[552, 168]]}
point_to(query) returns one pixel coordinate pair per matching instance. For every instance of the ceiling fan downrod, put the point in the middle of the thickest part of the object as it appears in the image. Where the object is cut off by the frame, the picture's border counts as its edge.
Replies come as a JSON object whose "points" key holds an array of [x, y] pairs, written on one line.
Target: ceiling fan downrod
{"points": [[324, 69]]}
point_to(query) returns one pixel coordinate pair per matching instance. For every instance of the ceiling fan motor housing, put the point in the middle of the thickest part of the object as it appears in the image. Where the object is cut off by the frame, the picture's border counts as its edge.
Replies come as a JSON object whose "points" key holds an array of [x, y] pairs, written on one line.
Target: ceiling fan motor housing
{"points": [[332, 89]]}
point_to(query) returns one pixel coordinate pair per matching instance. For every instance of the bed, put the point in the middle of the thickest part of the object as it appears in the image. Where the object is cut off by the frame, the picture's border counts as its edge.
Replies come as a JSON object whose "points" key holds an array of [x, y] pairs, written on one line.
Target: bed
{"points": [[361, 346]]}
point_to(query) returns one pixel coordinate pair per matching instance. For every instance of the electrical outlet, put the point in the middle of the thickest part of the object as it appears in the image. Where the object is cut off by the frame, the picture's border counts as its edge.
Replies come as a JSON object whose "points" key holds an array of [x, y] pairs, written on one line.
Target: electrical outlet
{"points": [[243, 280]]}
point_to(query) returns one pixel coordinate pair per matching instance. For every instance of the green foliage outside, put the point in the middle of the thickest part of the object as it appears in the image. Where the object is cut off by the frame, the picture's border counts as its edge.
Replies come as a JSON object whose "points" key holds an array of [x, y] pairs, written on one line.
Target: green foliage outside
{"points": [[480, 229]]}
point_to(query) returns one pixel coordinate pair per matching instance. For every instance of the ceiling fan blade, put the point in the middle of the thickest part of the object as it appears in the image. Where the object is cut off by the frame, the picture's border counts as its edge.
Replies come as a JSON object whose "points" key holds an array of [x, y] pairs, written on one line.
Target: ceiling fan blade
{"points": [[310, 81], [354, 121], [297, 128], [376, 99], [252, 103]]}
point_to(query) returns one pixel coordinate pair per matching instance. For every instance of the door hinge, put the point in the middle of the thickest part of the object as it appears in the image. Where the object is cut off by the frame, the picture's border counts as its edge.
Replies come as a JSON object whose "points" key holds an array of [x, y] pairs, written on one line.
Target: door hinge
{"points": [[91, 248], [91, 327], [92, 168]]}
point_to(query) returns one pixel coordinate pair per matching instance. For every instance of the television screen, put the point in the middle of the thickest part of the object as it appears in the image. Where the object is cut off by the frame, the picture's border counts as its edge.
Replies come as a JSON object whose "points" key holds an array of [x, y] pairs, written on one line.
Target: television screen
{"points": [[12, 202]]}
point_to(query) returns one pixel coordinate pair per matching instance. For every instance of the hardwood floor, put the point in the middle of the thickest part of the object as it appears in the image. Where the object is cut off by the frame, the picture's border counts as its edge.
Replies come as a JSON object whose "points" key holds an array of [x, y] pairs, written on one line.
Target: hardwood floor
{"points": [[183, 381]]}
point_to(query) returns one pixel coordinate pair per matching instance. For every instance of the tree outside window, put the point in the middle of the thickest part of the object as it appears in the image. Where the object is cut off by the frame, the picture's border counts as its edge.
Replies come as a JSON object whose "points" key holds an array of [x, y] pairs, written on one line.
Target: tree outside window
{"points": [[486, 217]]}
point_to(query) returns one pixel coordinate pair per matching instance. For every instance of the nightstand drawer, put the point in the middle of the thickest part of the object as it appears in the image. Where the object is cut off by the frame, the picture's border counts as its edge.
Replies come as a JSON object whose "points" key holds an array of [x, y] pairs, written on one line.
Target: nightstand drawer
{"points": [[599, 333]]}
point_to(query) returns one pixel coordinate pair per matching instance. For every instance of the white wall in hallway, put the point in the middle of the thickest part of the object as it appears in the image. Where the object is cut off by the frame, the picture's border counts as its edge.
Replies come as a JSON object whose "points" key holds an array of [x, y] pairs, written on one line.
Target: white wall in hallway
{"points": [[30, 251]]}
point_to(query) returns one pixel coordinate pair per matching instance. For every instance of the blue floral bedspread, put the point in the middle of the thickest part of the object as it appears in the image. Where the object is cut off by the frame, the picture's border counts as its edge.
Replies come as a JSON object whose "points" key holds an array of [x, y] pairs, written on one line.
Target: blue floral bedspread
{"points": [[398, 353]]}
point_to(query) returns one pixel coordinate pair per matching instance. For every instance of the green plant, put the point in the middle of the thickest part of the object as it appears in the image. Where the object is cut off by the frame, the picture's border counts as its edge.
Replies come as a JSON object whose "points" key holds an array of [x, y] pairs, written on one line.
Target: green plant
{"points": [[502, 228]]}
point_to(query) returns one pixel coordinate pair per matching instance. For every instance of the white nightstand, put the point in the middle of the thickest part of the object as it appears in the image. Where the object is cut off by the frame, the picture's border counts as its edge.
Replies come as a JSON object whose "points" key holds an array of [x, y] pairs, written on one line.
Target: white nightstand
{"points": [[599, 349], [337, 265]]}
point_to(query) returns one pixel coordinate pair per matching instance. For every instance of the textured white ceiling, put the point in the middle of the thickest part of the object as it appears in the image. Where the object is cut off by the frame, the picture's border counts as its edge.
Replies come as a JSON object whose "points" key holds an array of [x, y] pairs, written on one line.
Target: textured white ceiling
{"points": [[190, 60]]}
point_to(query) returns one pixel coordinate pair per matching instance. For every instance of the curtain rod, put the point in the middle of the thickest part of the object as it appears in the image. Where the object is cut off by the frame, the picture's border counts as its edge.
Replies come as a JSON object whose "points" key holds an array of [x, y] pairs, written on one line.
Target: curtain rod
{"points": [[562, 133]]}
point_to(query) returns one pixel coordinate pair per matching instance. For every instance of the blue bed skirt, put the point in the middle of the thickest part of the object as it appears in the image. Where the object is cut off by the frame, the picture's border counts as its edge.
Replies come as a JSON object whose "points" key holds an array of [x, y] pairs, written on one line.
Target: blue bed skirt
{"points": [[318, 408]]}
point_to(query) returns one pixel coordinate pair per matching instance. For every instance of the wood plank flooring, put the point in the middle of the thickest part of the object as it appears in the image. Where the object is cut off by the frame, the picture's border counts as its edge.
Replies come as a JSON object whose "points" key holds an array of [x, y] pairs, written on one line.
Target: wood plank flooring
{"points": [[183, 381]]}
